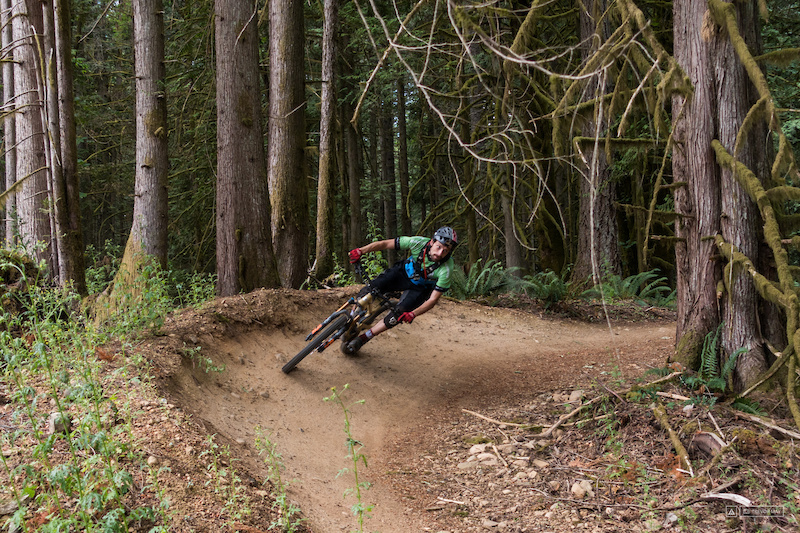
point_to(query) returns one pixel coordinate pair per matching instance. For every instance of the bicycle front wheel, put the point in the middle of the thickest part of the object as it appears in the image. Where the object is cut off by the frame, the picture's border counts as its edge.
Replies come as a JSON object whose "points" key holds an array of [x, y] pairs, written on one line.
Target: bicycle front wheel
{"points": [[321, 337]]}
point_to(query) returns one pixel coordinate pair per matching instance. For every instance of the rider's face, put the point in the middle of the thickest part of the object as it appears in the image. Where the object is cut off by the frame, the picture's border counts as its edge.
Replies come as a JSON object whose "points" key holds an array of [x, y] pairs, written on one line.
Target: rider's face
{"points": [[438, 251]]}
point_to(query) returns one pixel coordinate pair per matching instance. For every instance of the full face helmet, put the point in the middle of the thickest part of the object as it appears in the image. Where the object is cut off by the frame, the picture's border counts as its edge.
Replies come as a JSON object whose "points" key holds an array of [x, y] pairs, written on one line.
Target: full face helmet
{"points": [[447, 236]]}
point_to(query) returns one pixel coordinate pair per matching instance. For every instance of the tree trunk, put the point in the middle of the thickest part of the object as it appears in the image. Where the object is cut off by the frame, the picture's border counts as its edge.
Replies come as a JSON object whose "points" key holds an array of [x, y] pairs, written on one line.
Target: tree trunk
{"points": [[712, 202], [245, 259], [389, 189], [32, 207], [148, 236], [64, 164], [402, 157], [740, 214], [598, 236], [355, 171], [288, 185], [323, 264], [9, 128]]}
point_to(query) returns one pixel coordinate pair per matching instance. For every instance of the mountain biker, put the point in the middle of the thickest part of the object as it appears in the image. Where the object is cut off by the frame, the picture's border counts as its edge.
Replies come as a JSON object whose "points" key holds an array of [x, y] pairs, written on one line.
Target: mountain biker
{"points": [[423, 277]]}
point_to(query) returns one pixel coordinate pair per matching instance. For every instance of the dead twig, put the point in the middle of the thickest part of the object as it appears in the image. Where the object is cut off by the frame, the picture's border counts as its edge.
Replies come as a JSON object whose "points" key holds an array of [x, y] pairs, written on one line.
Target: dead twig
{"points": [[494, 421], [549, 431], [497, 453], [661, 415]]}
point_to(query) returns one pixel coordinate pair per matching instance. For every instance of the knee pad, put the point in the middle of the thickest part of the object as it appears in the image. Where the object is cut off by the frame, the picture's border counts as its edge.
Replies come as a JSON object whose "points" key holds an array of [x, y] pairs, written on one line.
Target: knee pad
{"points": [[390, 320]]}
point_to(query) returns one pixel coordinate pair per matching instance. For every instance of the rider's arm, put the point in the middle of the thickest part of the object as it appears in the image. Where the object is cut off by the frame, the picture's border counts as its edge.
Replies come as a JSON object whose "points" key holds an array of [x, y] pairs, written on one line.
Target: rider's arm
{"points": [[377, 246], [428, 304]]}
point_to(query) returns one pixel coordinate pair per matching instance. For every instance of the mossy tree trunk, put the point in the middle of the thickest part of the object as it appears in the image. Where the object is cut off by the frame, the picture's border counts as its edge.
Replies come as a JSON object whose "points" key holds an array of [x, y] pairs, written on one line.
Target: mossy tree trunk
{"points": [[148, 237], [712, 202]]}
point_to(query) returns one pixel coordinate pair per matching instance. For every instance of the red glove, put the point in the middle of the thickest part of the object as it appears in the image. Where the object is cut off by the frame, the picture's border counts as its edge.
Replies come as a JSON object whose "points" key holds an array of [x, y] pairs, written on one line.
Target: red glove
{"points": [[355, 255], [407, 317]]}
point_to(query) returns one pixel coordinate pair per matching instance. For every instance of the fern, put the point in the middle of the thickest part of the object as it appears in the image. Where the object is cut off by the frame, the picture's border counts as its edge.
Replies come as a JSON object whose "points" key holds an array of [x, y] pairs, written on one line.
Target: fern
{"points": [[647, 286], [709, 366], [747, 405], [482, 280], [546, 286], [710, 373], [730, 364]]}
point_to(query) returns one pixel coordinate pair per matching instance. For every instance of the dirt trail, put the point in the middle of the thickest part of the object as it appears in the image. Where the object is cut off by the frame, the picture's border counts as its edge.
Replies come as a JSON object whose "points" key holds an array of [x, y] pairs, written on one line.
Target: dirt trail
{"points": [[412, 378]]}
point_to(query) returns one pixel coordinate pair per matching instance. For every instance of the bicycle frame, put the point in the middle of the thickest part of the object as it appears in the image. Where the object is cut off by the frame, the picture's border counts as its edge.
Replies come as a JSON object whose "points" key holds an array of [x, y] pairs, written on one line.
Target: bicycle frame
{"points": [[350, 320], [363, 313]]}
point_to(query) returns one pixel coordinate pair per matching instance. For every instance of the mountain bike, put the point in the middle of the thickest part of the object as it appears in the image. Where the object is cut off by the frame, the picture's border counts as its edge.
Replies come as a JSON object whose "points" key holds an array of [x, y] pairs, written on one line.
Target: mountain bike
{"points": [[354, 317]]}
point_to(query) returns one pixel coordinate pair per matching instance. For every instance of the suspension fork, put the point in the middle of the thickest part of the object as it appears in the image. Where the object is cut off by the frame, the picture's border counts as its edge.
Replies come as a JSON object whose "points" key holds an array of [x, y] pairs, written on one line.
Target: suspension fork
{"points": [[329, 319]]}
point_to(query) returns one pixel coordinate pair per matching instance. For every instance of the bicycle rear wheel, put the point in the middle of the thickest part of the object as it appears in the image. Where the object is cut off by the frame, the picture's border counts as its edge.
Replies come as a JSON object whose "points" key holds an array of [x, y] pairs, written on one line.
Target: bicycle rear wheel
{"points": [[321, 337]]}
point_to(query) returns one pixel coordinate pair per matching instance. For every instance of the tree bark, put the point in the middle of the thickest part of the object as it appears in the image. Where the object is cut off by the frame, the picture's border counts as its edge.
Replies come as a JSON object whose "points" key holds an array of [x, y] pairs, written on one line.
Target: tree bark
{"points": [[35, 229], [323, 264], [402, 157], [148, 236], [355, 171], [598, 252], [288, 185], [245, 258], [712, 202], [62, 134], [389, 189], [9, 128]]}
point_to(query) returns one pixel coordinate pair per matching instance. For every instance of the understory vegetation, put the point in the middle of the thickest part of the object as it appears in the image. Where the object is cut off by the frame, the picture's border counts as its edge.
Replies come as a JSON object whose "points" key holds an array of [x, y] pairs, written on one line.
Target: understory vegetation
{"points": [[71, 460]]}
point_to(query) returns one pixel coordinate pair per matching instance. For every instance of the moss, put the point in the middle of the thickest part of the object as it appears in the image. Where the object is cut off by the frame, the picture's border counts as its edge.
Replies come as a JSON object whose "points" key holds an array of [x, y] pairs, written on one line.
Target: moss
{"points": [[478, 439], [687, 352]]}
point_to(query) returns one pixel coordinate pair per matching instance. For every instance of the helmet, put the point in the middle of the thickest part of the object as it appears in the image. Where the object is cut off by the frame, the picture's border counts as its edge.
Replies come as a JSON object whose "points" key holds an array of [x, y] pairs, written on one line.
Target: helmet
{"points": [[447, 236]]}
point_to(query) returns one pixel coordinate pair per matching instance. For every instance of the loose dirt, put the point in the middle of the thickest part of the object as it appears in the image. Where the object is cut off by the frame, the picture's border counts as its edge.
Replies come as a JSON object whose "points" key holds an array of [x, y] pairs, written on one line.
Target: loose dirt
{"points": [[415, 382]]}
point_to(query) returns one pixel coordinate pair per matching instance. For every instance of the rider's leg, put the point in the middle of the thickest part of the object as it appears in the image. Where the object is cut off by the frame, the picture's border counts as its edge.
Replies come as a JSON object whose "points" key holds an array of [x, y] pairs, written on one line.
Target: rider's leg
{"points": [[410, 300]]}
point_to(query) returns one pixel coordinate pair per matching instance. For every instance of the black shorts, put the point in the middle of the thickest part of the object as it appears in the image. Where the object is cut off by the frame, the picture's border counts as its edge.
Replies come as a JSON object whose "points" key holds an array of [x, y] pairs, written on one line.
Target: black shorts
{"points": [[394, 279]]}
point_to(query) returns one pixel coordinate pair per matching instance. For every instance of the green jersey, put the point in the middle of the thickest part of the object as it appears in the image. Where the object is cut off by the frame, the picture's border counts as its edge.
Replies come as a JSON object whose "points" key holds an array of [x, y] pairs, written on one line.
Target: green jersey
{"points": [[420, 269]]}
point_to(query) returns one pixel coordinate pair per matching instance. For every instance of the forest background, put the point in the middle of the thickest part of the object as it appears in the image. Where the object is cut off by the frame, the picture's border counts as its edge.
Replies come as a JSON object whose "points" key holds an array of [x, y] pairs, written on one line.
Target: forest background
{"points": [[258, 143]]}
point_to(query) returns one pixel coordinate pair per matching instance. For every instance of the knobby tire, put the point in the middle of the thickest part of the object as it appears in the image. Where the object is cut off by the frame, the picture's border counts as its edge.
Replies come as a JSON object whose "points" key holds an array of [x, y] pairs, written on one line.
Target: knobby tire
{"points": [[321, 337]]}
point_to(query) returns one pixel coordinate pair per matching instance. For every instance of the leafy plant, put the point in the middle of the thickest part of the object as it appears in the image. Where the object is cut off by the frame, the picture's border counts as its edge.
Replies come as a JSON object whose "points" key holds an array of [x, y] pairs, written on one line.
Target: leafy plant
{"points": [[547, 286], [711, 375], [482, 280], [51, 365], [360, 509], [206, 364], [644, 286], [287, 511], [225, 481], [374, 264]]}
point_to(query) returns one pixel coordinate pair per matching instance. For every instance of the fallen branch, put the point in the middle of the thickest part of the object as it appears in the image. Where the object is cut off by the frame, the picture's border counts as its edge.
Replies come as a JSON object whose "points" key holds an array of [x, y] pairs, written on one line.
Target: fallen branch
{"points": [[741, 500], [673, 396], [767, 423], [661, 415], [494, 421], [497, 453]]}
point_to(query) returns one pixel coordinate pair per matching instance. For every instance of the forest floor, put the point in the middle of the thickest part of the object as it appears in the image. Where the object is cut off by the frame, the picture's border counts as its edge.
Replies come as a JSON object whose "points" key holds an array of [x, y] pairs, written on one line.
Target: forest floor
{"points": [[447, 414]]}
